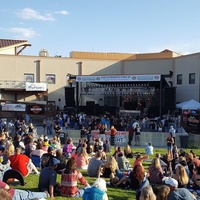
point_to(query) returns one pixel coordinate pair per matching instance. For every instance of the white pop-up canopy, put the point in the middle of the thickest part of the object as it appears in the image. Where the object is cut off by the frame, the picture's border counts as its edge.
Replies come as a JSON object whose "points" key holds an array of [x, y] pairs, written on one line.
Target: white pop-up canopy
{"points": [[189, 105]]}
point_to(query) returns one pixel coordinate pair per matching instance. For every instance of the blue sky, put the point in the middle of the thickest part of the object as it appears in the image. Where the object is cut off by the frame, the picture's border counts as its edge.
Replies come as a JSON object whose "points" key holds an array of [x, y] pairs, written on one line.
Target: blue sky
{"points": [[126, 26]]}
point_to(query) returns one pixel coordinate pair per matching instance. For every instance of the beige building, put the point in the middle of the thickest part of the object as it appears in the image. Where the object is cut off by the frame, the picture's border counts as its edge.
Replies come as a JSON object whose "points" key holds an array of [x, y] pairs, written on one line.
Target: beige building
{"points": [[53, 73]]}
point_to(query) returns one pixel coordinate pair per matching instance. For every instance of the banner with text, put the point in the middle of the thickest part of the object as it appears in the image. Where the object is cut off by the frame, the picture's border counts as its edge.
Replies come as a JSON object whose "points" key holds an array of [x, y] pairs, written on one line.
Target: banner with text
{"points": [[120, 137]]}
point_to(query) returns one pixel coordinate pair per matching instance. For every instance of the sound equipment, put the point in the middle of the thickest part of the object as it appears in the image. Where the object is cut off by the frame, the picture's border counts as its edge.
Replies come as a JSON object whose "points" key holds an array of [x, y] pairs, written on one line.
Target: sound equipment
{"points": [[69, 97]]}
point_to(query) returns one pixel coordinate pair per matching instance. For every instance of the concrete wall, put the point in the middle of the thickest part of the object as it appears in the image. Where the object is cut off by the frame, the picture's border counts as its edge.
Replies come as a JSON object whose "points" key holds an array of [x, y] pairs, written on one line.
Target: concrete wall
{"points": [[157, 139]]}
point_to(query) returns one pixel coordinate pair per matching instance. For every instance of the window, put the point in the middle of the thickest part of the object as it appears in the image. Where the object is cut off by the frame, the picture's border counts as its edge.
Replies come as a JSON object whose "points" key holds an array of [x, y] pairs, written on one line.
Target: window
{"points": [[29, 77], [192, 78], [179, 79], [50, 78]]}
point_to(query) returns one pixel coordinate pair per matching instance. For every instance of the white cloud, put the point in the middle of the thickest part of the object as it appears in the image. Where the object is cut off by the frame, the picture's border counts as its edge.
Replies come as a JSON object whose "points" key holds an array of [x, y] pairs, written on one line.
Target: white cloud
{"points": [[30, 14], [62, 12], [24, 32]]}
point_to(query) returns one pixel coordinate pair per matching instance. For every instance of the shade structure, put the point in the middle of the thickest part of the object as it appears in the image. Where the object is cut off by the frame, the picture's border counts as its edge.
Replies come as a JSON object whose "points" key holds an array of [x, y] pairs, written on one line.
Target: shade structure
{"points": [[189, 105]]}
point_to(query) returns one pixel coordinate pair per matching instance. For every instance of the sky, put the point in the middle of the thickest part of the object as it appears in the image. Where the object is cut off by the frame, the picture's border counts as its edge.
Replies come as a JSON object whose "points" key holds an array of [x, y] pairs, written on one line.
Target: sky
{"points": [[121, 26]]}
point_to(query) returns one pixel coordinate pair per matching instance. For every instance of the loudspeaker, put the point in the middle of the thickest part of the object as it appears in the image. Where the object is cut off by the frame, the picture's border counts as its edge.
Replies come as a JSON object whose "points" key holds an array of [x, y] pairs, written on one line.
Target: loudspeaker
{"points": [[69, 97], [170, 98]]}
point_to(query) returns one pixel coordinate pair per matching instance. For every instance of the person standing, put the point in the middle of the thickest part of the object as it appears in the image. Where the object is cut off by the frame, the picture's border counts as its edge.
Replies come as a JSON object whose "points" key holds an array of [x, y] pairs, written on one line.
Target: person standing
{"points": [[173, 131], [57, 130], [48, 176], [49, 126], [170, 142], [130, 134], [112, 135], [137, 135]]}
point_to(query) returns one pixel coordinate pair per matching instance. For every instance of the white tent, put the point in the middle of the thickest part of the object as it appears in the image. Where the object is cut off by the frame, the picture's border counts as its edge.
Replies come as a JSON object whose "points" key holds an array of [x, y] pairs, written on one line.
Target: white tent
{"points": [[180, 105], [189, 105]]}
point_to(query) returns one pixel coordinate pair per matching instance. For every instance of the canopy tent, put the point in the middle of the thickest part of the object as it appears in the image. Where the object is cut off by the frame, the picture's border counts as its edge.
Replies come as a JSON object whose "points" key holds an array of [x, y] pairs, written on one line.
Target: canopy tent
{"points": [[189, 105]]}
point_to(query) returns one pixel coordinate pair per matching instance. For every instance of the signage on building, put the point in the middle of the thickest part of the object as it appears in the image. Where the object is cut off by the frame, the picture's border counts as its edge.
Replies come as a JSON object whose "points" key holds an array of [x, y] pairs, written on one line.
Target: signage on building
{"points": [[36, 86], [119, 78], [36, 109], [14, 107]]}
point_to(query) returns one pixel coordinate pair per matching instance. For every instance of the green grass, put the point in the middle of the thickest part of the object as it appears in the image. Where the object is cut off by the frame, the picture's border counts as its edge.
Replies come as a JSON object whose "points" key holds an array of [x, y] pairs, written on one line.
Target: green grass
{"points": [[113, 193]]}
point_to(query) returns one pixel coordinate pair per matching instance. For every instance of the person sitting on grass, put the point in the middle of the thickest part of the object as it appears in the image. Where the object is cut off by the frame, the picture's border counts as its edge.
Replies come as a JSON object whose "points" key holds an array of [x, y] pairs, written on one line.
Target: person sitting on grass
{"points": [[22, 163], [109, 167], [181, 176], [48, 176], [95, 165], [128, 152], [69, 179], [147, 193], [97, 191], [156, 172], [139, 159], [17, 194], [69, 148], [149, 149], [138, 179], [82, 159], [178, 193]]}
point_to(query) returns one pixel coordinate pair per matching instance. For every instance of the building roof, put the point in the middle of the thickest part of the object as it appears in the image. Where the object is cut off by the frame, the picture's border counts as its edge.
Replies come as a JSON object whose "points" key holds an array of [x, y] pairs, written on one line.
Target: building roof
{"points": [[5, 43]]}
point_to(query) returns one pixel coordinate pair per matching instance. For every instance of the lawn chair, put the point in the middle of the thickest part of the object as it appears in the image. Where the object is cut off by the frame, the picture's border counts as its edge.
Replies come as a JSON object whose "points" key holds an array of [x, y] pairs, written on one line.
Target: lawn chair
{"points": [[13, 174]]}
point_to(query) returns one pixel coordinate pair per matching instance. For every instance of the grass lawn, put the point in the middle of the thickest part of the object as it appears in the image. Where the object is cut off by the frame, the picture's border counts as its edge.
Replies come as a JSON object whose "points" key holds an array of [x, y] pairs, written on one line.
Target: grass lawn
{"points": [[113, 193]]}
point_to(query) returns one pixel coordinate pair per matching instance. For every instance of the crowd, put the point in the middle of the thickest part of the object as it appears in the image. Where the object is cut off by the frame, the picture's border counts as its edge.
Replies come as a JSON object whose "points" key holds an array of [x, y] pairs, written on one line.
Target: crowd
{"points": [[175, 175]]}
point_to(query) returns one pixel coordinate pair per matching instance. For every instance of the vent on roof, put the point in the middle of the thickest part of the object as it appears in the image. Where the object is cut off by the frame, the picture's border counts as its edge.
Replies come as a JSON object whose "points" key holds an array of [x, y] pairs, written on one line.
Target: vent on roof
{"points": [[44, 52]]}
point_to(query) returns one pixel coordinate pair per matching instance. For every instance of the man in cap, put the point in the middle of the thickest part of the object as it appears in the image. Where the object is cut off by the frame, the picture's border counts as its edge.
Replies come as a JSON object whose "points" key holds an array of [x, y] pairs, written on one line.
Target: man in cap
{"points": [[48, 176], [178, 193]]}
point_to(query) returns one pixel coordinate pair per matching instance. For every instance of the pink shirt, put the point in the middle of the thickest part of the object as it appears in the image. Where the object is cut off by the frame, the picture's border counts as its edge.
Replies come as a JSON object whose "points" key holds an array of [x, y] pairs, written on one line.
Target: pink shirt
{"points": [[81, 161]]}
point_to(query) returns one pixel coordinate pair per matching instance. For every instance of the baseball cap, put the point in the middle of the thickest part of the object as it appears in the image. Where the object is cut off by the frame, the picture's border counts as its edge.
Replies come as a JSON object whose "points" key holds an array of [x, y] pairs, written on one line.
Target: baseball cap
{"points": [[172, 182], [53, 162], [50, 148]]}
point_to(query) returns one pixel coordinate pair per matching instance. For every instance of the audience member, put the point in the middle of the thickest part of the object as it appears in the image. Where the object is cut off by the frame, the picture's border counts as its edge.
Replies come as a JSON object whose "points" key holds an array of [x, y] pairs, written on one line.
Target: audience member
{"points": [[69, 179], [181, 176], [16, 194], [62, 159], [97, 191], [82, 159], [147, 193], [109, 167], [22, 163], [128, 151], [46, 157], [155, 172], [95, 165], [162, 192], [149, 149], [178, 193], [48, 176], [68, 148]]}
